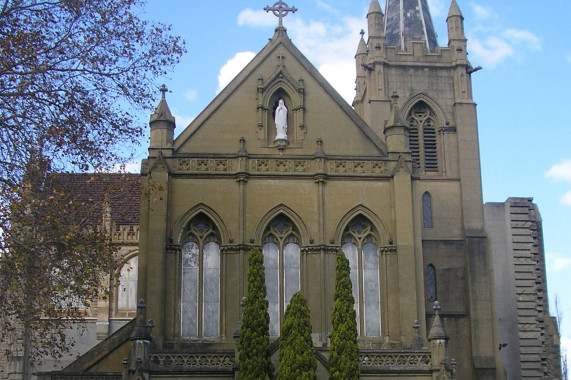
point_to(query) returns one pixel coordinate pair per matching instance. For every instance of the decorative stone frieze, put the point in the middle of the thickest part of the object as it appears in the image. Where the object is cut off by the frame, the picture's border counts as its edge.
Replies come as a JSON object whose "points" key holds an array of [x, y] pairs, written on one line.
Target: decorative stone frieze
{"points": [[395, 359], [206, 361], [206, 165]]}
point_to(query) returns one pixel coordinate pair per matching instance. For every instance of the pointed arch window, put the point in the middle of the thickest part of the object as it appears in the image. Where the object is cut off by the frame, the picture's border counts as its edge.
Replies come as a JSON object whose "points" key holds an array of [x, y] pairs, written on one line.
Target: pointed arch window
{"points": [[430, 283], [200, 290], [426, 210], [282, 268], [127, 286], [361, 249], [422, 137]]}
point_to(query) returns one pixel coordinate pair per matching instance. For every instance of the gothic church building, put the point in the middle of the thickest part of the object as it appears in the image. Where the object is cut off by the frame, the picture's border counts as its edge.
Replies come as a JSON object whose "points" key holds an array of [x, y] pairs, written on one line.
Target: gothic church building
{"points": [[393, 180]]}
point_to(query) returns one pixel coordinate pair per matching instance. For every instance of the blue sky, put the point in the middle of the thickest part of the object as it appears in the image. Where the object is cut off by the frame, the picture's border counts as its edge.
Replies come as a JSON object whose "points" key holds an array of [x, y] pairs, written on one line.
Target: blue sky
{"points": [[522, 92]]}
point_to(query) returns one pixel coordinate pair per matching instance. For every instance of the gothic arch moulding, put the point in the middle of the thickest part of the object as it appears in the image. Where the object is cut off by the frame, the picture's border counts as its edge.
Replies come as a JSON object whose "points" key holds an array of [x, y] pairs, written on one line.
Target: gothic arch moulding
{"points": [[439, 113], [281, 85], [179, 229], [360, 210], [292, 215]]}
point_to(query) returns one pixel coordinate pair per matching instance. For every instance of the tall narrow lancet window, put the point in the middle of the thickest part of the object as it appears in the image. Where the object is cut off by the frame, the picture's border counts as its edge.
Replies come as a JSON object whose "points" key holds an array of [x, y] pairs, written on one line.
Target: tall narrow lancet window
{"points": [[426, 210], [127, 286], [361, 250], [422, 137], [430, 283], [282, 267], [200, 291]]}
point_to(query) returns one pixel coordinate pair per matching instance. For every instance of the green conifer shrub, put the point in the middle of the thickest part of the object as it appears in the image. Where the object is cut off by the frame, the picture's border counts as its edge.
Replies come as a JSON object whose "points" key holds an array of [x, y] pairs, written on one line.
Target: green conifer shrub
{"points": [[344, 352], [297, 355], [254, 350]]}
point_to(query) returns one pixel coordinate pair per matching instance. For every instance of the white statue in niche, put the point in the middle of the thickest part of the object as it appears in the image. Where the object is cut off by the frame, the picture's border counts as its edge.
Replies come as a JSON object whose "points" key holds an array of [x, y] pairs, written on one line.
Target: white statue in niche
{"points": [[281, 121]]}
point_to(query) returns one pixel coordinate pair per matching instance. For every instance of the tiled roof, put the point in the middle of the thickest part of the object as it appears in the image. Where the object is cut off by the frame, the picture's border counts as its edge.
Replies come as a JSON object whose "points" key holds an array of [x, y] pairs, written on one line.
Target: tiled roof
{"points": [[92, 190]]}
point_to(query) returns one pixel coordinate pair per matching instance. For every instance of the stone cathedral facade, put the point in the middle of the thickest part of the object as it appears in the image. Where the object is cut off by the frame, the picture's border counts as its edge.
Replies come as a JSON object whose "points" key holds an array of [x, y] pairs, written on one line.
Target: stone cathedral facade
{"points": [[393, 180]]}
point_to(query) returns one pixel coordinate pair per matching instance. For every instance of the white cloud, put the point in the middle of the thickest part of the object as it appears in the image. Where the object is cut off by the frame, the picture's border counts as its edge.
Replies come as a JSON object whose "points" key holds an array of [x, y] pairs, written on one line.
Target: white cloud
{"points": [[331, 49], [191, 95], [182, 121], [232, 68], [558, 262], [327, 7], [491, 51], [560, 172], [337, 75], [250, 17], [566, 199], [566, 346], [482, 12], [522, 37]]}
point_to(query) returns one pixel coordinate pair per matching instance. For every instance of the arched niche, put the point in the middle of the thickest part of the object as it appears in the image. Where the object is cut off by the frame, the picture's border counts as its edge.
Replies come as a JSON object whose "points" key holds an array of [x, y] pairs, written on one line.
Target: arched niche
{"points": [[281, 86]]}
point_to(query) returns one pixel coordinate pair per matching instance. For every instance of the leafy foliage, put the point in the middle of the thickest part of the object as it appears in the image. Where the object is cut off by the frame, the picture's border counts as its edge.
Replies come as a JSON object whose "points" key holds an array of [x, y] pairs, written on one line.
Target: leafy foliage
{"points": [[297, 355], [344, 352], [72, 73], [254, 350]]}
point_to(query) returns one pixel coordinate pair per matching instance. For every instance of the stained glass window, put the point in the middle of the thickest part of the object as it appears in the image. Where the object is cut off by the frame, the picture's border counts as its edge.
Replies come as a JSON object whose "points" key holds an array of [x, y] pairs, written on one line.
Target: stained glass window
{"points": [[282, 268], [362, 252], [200, 288]]}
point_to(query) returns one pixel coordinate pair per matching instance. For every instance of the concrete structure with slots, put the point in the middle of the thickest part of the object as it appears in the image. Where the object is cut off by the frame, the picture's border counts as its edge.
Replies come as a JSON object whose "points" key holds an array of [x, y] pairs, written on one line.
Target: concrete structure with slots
{"points": [[527, 334]]}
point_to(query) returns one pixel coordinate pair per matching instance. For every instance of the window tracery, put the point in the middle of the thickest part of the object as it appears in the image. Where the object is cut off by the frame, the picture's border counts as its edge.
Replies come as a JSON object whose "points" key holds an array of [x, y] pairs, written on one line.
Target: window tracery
{"points": [[200, 285], [361, 249], [281, 252], [422, 137]]}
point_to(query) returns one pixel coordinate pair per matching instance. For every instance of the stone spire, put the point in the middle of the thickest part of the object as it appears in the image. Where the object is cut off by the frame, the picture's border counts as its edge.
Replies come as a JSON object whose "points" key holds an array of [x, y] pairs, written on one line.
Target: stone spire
{"points": [[375, 19], [409, 21], [162, 112], [438, 340], [455, 22], [162, 127]]}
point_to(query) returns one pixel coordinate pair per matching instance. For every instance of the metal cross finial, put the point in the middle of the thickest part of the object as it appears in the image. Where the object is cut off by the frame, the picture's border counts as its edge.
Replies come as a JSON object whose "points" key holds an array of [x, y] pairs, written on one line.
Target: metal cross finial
{"points": [[163, 89], [280, 10]]}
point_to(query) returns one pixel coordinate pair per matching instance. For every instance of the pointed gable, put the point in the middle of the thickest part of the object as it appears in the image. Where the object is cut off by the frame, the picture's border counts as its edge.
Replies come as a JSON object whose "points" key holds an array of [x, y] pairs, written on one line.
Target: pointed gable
{"points": [[246, 108]]}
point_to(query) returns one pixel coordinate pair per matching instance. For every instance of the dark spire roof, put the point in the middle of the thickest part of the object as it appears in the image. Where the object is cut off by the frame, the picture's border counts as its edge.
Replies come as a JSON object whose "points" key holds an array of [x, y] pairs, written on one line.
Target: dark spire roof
{"points": [[408, 20]]}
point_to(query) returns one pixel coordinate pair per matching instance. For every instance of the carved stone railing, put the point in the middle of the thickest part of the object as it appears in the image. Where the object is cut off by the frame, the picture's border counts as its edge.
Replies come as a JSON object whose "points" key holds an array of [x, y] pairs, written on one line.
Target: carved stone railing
{"points": [[206, 361], [376, 359], [83, 376]]}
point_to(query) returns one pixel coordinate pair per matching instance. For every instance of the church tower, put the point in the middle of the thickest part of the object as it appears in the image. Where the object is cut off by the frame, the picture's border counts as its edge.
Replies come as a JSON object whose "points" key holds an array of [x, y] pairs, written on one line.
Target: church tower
{"points": [[434, 90]]}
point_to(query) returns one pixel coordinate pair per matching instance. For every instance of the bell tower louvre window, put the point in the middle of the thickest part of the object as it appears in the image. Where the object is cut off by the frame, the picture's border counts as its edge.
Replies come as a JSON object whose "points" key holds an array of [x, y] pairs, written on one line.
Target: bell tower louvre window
{"points": [[422, 137]]}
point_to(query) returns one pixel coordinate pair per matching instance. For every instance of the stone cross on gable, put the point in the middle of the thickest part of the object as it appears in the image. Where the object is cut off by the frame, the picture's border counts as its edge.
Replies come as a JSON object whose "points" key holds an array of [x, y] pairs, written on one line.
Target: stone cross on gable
{"points": [[280, 10]]}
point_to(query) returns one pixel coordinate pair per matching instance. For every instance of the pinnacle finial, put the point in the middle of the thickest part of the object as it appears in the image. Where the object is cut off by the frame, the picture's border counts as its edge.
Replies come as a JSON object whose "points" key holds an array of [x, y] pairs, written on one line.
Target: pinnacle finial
{"points": [[163, 89], [362, 32], [436, 307]]}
